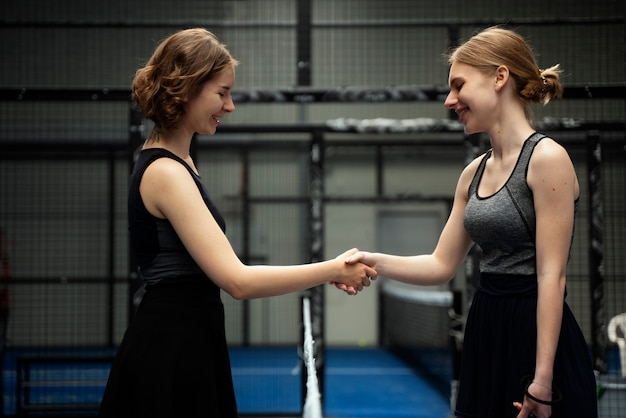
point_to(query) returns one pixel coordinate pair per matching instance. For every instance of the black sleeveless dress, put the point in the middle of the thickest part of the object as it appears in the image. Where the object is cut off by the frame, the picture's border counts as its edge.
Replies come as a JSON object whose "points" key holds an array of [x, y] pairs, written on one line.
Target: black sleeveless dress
{"points": [[173, 360], [499, 347]]}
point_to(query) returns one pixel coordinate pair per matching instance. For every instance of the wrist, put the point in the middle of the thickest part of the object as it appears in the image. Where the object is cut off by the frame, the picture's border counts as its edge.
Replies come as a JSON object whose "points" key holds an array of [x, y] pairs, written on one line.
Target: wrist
{"points": [[555, 394], [544, 379], [543, 385]]}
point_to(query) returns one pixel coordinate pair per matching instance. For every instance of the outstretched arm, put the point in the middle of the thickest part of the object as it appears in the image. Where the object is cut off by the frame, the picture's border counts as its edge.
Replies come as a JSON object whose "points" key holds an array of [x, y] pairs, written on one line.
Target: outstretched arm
{"points": [[439, 266], [169, 192]]}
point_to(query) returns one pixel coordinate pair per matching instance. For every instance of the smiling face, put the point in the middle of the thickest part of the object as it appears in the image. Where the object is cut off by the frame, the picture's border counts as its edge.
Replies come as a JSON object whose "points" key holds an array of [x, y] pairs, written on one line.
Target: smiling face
{"points": [[472, 96], [204, 111]]}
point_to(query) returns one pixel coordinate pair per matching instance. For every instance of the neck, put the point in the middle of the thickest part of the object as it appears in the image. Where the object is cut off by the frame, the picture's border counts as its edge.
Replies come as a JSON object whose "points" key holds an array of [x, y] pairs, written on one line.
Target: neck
{"points": [[172, 141], [508, 136]]}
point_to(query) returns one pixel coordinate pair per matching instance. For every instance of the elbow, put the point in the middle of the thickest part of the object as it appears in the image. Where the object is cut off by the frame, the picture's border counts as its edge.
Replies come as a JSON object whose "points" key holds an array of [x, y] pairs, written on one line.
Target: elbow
{"points": [[443, 279], [234, 282], [444, 276], [443, 269], [236, 291], [238, 296], [242, 289]]}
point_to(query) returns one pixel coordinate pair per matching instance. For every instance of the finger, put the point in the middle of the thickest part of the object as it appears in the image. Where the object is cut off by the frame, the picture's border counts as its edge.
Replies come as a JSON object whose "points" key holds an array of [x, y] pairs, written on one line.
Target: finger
{"points": [[346, 254], [354, 257], [366, 281], [341, 286], [523, 412], [371, 272]]}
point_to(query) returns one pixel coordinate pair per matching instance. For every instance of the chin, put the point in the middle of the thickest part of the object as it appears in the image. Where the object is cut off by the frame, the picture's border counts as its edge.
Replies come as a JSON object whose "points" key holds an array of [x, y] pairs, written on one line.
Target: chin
{"points": [[468, 131], [471, 131]]}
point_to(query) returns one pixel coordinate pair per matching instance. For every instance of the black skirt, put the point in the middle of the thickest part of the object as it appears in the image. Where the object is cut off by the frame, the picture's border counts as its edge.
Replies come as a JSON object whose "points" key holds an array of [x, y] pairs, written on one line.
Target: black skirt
{"points": [[173, 360], [499, 350]]}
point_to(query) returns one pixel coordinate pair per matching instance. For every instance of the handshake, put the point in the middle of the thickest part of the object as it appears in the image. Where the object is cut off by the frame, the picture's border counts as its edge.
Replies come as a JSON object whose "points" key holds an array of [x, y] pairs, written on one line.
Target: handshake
{"points": [[356, 272]]}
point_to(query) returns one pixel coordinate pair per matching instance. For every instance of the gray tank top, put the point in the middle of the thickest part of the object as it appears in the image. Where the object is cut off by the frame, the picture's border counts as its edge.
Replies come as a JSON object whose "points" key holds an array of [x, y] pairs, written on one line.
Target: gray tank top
{"points": [[503, 224]]}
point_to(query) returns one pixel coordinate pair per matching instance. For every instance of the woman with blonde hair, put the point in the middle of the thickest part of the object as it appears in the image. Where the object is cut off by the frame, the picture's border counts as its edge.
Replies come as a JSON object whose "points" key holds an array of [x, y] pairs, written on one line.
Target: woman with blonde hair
{"points": [[524, 354]]}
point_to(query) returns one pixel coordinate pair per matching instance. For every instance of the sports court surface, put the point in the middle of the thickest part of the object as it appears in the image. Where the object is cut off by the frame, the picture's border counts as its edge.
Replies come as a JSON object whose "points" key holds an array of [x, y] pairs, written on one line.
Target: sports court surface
{"points": [[358, 382]]}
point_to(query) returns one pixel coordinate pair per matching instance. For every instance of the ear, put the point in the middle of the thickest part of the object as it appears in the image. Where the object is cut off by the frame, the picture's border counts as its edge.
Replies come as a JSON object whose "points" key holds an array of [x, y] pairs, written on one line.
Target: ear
{"points": [[501, 77]]}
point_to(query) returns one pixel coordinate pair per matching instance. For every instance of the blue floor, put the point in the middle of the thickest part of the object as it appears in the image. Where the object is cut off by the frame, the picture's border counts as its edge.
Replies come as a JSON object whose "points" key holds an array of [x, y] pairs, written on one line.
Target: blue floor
{"points": [[367, 383], [376, 384], [267, 380], [358, 383]]}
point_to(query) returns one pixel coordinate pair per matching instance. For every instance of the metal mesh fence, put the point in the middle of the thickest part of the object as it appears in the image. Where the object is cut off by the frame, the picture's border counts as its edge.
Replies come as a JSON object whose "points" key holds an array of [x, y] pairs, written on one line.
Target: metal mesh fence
{"points": [[369, 75]]}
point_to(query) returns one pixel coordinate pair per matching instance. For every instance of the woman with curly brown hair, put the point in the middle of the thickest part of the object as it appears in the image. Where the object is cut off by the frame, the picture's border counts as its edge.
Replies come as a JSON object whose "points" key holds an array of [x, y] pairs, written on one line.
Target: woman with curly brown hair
{"points": [[173, 360], [524, 354]]}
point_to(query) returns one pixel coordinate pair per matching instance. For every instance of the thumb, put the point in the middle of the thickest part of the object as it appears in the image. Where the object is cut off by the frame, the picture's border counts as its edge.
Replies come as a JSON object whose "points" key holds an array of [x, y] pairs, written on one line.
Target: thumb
{"points": [[354, 257]]}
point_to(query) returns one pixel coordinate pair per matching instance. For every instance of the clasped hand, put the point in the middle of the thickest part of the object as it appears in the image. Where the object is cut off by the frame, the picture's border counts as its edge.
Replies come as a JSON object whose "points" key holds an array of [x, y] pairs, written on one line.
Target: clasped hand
{"points": [[359, 273]]}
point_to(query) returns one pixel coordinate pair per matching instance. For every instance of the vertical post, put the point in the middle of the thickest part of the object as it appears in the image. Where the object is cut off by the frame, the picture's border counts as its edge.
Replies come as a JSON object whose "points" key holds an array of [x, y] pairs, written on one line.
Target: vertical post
{"points": [[454, 39], [303, 43], [596, 252], [316, 239], [111, 253], [456, 343], [303, 52], [135, 140], [316, 193], [245, 197]]}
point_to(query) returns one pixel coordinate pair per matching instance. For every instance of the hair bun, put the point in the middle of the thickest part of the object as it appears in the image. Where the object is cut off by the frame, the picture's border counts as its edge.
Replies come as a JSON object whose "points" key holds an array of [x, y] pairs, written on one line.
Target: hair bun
{"points": [[551, 83]]}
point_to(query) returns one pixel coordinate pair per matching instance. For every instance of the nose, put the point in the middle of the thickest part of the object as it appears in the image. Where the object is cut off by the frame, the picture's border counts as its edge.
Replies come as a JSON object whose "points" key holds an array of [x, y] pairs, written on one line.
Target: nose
{"points": [[451, 100], [229, 105]]}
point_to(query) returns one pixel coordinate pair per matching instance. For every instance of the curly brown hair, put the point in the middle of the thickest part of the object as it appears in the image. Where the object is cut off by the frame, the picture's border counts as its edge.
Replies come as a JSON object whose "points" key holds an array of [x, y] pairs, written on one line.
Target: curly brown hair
{"points": [[179, 66], [496, 46]]}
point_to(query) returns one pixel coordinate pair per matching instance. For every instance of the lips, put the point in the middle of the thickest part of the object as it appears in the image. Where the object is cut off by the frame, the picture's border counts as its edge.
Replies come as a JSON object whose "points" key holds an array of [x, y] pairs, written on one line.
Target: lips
{"points": [[461, 113]]}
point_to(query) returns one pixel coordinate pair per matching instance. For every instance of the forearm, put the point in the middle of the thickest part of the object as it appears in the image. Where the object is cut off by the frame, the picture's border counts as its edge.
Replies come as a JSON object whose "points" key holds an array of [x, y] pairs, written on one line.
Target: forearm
{"points": [[263, 281], [549, 317], [422, 270], [245, 282], [278, 280]]}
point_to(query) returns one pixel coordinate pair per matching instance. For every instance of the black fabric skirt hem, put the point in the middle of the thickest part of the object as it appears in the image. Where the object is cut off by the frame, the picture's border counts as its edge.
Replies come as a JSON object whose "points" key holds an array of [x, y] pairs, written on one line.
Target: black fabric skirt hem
{"points": [[173, 360]]}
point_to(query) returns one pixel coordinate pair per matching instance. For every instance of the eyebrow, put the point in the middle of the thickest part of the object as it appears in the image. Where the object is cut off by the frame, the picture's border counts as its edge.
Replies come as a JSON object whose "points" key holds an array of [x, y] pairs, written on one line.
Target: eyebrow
{"points": [[454, 80]]}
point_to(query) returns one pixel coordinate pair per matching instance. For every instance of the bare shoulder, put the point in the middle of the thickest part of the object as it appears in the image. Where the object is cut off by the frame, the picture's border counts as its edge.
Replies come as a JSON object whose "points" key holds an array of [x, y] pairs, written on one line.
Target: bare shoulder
{"points": [[166, 166], [551, 167], [548, 148], [461, 193], [550, 155], [166, 172], [166, 182], [470, 170]]}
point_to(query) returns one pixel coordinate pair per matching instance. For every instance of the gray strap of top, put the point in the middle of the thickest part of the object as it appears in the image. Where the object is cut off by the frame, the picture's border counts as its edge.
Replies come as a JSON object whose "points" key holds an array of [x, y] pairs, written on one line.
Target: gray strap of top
{"points": [[517, 186]]}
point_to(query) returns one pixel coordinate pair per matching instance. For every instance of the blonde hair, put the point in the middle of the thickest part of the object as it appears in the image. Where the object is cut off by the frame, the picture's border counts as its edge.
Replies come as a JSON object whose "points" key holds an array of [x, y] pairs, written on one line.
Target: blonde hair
{"points": [[179, 66], [496, 46]]}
